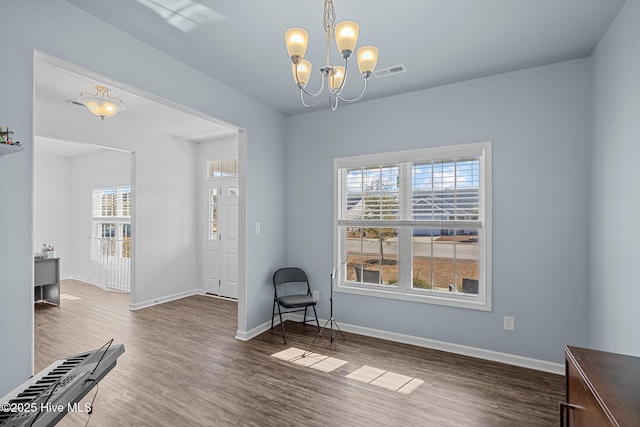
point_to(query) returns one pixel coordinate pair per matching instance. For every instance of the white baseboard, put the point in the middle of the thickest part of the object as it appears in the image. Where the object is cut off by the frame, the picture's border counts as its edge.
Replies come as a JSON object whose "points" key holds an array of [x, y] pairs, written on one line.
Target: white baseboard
{"points": [[144, 304], [93, 283], [479, 353], [160, 300], [247, 335]]}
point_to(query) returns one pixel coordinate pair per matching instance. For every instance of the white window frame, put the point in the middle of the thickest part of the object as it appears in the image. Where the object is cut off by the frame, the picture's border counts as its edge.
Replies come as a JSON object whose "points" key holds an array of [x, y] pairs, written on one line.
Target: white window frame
{"points": [[403, 290], [120, 219]]}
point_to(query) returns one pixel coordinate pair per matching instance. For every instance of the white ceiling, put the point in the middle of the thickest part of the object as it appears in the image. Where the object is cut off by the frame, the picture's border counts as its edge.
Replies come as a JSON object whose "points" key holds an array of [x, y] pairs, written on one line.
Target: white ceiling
{"points": [[62, 148], [57, 84], [240, 43]]}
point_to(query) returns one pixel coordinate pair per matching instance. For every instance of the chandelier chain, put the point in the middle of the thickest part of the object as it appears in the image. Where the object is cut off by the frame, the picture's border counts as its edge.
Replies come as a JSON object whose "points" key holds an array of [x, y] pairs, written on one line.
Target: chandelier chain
{"points": [[329, 18]]}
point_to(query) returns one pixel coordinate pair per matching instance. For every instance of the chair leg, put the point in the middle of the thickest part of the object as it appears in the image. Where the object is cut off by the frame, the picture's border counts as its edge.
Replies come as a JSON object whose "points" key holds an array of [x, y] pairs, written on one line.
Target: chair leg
{"points": [[284, 338], [273, 312], [304, 319]]}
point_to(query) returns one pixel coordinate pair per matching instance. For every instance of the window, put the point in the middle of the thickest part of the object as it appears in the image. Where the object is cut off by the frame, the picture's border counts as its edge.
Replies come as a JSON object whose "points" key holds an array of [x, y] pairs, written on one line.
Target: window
{"points": [[111, 207], [416, 225], [216, 170], [213, 214], [222, 168]]}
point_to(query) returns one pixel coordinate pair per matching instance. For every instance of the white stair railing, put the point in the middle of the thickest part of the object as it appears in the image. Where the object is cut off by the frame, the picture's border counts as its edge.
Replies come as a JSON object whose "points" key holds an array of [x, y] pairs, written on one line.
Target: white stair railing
{"points": [[110, 263]]}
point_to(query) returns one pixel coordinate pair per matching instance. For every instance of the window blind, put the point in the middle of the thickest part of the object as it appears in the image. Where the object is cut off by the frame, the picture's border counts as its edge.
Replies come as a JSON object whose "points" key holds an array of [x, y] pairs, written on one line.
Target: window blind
{"points": [[110, 202], [430, 194]]}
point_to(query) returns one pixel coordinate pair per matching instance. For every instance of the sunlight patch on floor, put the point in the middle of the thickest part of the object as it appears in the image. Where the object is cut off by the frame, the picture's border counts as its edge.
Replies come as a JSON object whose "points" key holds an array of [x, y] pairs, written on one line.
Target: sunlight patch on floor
{"points": [[69, 297], [385, 379], [309, 359], [329, 364], [410, 386], [366, 374]]}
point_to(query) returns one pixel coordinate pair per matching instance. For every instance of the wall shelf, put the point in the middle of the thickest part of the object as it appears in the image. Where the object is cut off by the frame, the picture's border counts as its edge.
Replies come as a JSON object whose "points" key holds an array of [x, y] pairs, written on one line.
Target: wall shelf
{"points": [[10, 149]]}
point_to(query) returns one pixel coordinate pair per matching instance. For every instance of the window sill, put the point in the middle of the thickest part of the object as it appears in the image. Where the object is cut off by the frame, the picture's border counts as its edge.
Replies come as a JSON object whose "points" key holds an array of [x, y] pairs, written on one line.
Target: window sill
{"points": [[449, 300]]}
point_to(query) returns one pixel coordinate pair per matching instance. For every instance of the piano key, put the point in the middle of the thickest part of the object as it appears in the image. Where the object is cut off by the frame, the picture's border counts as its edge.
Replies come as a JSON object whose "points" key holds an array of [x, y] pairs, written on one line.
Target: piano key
{"points": [[62, 383], [29, 382]]}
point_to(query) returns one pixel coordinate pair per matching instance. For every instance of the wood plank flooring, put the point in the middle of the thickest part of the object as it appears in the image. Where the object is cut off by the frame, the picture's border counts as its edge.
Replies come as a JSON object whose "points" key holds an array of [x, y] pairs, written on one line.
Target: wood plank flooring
{"points": [[183, 367]]}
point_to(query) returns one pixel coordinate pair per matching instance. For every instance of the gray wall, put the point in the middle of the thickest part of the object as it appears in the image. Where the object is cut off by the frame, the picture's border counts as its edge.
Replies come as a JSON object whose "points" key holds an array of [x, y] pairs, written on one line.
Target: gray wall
{"points": [[614, 291], [538, 120], [58, 28], [52, 199]]}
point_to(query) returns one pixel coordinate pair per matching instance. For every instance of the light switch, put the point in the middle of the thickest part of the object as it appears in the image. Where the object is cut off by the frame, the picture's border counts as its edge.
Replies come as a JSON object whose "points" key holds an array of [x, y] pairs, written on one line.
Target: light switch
{"points": [[257, 228]]}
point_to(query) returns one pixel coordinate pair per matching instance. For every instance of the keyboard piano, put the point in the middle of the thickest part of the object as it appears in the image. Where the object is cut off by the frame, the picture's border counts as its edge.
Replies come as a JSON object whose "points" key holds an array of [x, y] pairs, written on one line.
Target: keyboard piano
{"points": [[45, 398]]}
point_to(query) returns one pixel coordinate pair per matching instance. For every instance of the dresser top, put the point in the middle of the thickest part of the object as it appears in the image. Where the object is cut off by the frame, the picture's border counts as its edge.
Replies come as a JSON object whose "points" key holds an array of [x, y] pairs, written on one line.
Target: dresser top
{"points": [[613, 378]]}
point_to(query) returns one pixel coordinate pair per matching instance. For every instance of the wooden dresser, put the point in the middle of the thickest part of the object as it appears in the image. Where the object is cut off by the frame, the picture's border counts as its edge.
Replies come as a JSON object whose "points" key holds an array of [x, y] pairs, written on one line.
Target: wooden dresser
{"points": [[603, 389]]}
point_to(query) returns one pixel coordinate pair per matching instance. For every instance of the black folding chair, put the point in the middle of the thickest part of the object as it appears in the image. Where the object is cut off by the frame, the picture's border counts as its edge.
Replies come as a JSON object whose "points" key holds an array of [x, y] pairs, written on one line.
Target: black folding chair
{"points": [[292, 292]]}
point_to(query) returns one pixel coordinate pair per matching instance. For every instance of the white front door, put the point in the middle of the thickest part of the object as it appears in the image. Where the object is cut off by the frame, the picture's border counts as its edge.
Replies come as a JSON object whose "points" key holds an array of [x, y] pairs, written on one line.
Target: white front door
{"points": [[221, 252]]}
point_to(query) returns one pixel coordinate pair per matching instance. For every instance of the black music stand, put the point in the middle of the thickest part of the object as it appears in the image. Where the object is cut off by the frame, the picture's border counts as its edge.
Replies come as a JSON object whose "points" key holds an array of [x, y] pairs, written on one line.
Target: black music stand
{"points": [[331, 322]]}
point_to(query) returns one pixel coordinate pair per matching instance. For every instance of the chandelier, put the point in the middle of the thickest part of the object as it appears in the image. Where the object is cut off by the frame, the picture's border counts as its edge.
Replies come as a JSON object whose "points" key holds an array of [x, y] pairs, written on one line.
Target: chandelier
{"points": [[345, 34], [101, 103]]}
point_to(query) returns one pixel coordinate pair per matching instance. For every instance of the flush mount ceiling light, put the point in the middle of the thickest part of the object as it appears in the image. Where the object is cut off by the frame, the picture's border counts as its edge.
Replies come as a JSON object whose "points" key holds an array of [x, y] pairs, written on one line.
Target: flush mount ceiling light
{"points": [[346, 36], [101, 103]]}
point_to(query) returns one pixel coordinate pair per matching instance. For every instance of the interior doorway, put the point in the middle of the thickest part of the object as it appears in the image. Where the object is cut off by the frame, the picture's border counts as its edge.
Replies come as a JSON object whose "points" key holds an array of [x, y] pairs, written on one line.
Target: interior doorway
{"points": [[83, 207], [165, 138]]}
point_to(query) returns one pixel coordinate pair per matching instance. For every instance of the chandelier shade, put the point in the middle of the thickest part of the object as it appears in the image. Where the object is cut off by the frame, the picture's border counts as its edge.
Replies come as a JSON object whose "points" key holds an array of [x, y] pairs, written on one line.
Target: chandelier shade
{"points": [[101, 104], [346, 37], [297, 41], [334, 77], [302, 71], [367, 59]]}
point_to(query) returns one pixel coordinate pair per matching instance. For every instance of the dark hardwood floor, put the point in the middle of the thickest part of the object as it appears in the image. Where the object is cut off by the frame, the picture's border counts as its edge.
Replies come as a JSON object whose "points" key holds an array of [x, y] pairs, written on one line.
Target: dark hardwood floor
{"points": [[183, 367]]}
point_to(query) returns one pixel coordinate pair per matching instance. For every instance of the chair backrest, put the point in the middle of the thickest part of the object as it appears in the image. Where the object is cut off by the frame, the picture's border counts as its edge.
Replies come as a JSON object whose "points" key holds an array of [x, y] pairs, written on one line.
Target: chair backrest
{"points": [[283, 276]]}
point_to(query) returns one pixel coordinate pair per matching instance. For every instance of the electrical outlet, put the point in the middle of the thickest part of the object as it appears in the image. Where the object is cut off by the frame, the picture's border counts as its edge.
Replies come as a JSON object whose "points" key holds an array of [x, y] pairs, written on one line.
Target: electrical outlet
{"points": [[509, 323], [257, 228], [316, 295]]}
